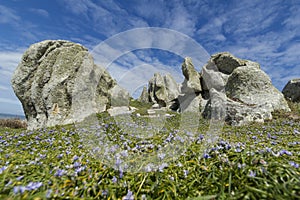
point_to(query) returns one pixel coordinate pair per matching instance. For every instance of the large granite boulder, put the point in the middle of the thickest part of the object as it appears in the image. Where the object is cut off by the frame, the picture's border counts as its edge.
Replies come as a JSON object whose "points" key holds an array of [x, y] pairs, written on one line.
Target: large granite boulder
{"points": [[250, 93], [291, 91], [58, 83], [162, 90]]}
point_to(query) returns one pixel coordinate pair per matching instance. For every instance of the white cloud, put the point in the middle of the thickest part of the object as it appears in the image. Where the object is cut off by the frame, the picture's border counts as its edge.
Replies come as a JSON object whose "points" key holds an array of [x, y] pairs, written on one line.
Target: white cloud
{"points": [[8, 16], [9, 61], [40, 12]]}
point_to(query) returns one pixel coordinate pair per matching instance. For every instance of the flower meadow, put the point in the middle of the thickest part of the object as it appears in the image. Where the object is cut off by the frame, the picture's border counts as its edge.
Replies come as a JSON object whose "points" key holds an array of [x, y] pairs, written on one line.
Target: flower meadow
{"points": [[257, 161]]}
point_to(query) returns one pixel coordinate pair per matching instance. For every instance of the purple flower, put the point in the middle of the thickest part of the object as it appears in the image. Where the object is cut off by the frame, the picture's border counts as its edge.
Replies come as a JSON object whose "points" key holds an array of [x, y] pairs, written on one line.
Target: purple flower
{"points": [[19, 189], [162, 166], [185, 172], [19, 178], [282, 152], [241, 165], [48, 194], [2, 169], [33, 185], [206, 156], [129, 196], [114, 179], [293, 164], [60, 156], [252, 173], [76, 164], [60, 172], [75, 158]]}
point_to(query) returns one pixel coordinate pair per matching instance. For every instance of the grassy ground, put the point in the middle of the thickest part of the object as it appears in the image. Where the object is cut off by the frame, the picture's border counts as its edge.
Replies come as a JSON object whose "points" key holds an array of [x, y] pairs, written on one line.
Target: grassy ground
{"points": [[258, 161]]}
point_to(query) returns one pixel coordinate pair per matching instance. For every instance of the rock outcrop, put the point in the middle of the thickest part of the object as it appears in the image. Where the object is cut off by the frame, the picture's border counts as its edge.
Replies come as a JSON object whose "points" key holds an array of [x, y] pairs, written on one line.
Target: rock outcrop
{"points": [[291, 91], [227, 88], [162, 90], [58, 83], [250, 93]]}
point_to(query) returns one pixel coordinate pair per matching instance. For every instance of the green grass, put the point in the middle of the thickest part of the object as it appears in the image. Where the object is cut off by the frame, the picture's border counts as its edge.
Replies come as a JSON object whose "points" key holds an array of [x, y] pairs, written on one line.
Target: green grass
{"points": [[258, 161]]}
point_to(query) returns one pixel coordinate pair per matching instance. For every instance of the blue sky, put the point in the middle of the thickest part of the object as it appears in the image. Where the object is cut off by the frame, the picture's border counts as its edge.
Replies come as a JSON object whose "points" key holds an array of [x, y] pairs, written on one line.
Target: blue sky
{"points": [[267, 32]]}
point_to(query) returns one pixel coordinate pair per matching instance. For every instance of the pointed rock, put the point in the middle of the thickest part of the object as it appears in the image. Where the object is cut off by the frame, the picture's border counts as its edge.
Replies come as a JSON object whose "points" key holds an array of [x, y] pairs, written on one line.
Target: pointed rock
{"points": [[191, 82]]}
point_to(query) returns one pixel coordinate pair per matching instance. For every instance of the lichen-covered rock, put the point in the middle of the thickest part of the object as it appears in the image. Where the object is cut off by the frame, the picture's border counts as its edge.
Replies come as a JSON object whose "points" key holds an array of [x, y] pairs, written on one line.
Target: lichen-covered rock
{"points": [[162, 90], [291, 91], [250, 93], [119, 96], [57, 83], [191, 83], [252, 86], [144, 98]]}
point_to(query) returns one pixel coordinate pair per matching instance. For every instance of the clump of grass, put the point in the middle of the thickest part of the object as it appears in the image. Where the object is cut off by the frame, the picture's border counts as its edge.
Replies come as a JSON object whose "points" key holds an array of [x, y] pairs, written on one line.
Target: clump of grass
{"points": [[13, 123]]}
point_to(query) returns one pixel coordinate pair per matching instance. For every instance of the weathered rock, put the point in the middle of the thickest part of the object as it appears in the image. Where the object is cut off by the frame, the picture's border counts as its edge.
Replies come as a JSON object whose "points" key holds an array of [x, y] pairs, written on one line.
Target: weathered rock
{"points": [[189, 103], [162, 90], [191, 83], [226, 62], [58, 83], [144, 98], [252, 86], [119, 96], [250, 93], [291, 91]]}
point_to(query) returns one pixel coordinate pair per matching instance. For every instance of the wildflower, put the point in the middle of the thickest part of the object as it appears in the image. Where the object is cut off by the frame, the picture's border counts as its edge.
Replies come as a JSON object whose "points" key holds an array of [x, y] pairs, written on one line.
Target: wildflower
{"points": [[129, 196], [60, 156], [149, 167], [75, 158], [241, 165], [114, 179], [162, 166], [185, 172], [2, 169], [293, 164], [76, 164], [238, 149], [33, 185], [48, 193], [252, 173], [60, 172], [285, 152], [9, 183], [19, 178], [19, 189], [206, 156]]}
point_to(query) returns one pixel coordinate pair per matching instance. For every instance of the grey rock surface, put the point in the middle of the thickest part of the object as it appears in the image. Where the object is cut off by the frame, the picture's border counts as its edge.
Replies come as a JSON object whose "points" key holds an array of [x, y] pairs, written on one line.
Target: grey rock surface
{"points": [[291, 90], [249, 91], [144, 98], [191, 83], [58, 83], [162, 90]]}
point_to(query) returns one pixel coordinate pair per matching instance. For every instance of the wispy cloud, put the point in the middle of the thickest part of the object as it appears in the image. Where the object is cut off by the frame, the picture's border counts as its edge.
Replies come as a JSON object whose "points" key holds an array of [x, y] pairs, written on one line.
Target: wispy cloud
{"points": [[9, 61], [40, 12], [8, 16]]}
